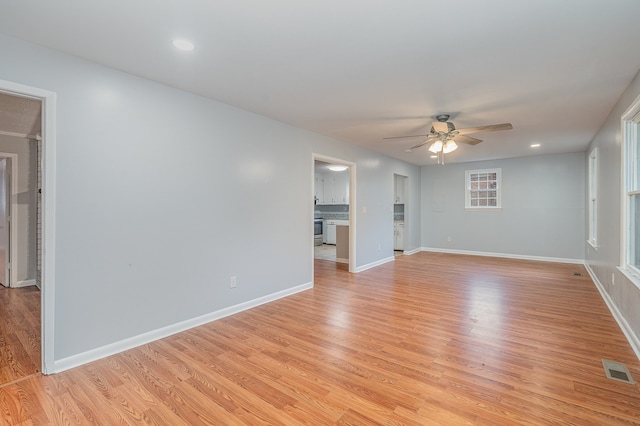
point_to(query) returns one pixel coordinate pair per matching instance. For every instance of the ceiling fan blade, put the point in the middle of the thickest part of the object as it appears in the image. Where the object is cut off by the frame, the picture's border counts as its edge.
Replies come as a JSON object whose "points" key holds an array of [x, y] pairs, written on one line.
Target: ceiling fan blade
{"points": [[410, 136], [467, 139], [426, 141], [489, 128], [440, 126]]}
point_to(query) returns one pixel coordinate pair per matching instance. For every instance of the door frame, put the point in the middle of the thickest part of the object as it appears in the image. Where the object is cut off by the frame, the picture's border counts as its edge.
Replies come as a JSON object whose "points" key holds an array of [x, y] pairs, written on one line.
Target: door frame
{"points": [[48, 208], [352, 203], [13, 223]]}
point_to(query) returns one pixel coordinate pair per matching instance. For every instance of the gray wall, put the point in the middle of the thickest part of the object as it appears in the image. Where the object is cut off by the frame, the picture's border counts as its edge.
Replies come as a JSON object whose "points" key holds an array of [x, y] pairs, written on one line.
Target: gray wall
{"points": [[163, 195], [604, 262], [543, 208], [25, 199]]}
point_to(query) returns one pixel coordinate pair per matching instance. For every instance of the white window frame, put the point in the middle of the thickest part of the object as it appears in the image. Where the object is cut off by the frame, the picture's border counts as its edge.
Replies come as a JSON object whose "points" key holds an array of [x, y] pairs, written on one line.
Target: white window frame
{"points": [[467, 191], [630, 188], [593, 199]]}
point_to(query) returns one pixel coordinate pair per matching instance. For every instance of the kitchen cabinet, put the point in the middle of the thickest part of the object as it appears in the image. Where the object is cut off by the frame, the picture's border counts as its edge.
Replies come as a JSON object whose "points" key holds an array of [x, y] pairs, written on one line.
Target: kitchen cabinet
{"points": [[398, 236], [341, 188], [329, 230], [332, 188], [318, 189], [342, 243], [399, 189]]}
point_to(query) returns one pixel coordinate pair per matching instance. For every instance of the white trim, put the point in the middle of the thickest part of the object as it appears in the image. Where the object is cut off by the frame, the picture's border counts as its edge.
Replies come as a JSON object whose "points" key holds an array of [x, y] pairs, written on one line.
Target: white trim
{"points": [[627, 120], [352, 203], [20, 135], [376, 263], [631, 276], [632, 338], [13, 243], [25, 283], [467, 189], [48, 99], [161, 333], [410, 252], [592, 197], [505, 255]]}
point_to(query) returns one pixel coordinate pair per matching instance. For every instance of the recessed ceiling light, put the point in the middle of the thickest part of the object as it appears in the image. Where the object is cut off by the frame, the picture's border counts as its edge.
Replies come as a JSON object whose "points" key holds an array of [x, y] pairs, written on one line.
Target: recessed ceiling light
{"points": [[434, 156], [183, 44], [535, 145], [337, 168]]}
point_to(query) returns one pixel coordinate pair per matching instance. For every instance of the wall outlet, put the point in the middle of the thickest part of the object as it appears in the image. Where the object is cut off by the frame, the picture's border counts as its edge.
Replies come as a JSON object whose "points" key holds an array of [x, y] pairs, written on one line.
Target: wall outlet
{"points": [[232, 282], [449, 239], [613, 279], [364, 209]]}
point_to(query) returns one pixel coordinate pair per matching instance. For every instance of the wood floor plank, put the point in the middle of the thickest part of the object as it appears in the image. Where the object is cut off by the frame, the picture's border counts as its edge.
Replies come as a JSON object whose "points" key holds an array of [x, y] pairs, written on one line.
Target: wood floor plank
{"points": [[429, 339], [19, 333]]}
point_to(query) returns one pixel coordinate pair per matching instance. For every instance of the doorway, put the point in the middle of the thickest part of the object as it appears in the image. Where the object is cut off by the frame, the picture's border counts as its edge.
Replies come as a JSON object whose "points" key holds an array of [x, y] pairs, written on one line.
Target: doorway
{"points": [[27, 121], [400, 192], [9, 219], [334, 208]]}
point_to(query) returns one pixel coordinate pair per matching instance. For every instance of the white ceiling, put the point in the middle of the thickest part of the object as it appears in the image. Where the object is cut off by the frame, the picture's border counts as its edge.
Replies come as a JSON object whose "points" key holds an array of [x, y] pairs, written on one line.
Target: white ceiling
{"points": [[361, 70]]}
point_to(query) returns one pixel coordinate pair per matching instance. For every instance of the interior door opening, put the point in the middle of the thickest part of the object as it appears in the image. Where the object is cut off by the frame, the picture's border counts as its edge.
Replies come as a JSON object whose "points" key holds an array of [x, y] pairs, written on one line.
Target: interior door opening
{"points": [[400, 202], [20, 236], [333, 211]]}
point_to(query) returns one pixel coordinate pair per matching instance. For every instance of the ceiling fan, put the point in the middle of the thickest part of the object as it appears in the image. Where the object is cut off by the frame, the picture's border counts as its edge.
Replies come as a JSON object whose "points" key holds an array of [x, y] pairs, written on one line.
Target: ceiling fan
{"points": [[444, 135]]}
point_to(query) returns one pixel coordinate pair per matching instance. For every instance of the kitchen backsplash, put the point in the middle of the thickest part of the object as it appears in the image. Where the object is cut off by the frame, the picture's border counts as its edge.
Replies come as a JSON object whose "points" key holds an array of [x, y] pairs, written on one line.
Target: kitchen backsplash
{"points": [[398, 212], [341, 211], [332, 211]]}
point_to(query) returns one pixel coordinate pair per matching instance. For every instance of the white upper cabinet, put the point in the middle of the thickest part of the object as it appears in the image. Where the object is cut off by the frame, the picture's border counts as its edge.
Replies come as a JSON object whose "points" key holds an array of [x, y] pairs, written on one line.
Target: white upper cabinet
{"points": [[341, 188], [332, 188], [318, 189], [399, 189]]}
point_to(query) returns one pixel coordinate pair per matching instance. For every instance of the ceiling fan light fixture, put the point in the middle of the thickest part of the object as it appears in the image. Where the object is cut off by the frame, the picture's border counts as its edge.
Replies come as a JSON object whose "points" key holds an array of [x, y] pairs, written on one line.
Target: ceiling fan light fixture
{"points": [[449, 146], [436, 147]]}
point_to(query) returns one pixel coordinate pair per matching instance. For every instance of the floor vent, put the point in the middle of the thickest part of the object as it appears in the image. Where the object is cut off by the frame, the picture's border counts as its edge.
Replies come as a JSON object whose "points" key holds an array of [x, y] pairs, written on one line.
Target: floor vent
{"points": [[617, 371], [577, 274]]}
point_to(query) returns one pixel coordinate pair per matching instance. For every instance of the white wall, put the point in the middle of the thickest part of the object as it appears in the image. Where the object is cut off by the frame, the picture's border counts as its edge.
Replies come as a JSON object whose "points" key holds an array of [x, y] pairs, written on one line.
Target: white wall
{"points": [[624, 295], [543, 208], [162, 196]]}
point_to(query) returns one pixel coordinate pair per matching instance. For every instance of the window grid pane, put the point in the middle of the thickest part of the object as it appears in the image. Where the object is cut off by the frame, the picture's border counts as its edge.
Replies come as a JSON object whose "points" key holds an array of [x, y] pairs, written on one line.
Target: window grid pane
{"points": [[482, 189]]}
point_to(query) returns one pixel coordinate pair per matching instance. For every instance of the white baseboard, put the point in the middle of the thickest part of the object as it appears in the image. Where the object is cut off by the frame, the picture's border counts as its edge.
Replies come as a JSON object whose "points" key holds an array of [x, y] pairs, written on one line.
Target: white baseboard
{"points": [[25, 283], [414, 251], [374, 264], [505, 255], [632, 338], [142, 339]]}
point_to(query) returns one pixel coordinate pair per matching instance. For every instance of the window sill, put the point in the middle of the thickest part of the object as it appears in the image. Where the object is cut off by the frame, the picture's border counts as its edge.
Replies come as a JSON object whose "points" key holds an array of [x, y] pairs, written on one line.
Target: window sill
{"points": [[482, 209], [631, 276]]}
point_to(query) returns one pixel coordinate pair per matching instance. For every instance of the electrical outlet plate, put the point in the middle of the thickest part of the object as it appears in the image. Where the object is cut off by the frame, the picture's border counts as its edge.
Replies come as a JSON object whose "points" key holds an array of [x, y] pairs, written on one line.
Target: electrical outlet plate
{"points": [[232, 282]]}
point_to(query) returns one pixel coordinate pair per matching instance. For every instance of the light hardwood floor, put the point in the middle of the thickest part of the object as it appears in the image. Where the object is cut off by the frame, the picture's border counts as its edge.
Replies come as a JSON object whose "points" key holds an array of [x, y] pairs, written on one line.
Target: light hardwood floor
{"points": [[19, 333], [426, 339]]}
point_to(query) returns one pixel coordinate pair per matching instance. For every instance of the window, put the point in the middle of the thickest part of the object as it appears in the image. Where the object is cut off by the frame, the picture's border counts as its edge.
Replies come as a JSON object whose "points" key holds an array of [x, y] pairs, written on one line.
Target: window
{"points": [[593, 194], [631, 193], [483, 189]]}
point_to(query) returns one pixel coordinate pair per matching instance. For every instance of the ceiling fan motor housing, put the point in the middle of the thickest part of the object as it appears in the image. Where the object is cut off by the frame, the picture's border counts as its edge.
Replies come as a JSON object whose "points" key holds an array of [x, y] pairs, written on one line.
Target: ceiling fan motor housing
{"points": [[450, 127]]}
